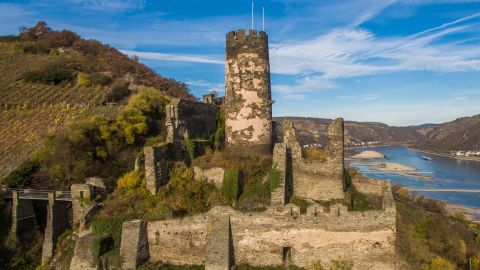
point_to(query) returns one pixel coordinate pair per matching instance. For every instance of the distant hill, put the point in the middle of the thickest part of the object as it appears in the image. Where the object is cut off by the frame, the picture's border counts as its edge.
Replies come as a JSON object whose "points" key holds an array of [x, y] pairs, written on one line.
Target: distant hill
{"points": [[314, 130], [50, 78], [424, 128], [460, 134]]}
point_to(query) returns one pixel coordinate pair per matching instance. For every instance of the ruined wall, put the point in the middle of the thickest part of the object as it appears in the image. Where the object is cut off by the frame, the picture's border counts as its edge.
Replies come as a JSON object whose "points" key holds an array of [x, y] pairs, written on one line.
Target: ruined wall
{"points": [[134, 244], [197, 119], [311, 179], [248, 103], [157, 162], [365, 239]]}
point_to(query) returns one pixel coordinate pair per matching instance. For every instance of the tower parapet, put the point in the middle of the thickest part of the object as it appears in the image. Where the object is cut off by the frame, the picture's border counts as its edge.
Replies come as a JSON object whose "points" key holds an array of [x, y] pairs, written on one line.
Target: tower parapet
{"points": [[248, 101]]}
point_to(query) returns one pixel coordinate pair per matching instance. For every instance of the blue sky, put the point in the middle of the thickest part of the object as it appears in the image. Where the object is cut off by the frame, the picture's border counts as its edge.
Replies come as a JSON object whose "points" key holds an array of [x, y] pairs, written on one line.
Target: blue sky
{"points": [[401, 62]]}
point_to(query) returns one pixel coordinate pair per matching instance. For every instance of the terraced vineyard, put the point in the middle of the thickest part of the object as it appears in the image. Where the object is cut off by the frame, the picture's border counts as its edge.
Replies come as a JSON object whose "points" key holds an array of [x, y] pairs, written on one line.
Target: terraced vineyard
{"points": [[28, 112]]}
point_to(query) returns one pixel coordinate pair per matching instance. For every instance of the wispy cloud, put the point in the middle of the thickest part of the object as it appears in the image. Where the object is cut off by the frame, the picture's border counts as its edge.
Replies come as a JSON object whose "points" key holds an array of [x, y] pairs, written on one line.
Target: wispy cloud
{"points": [[207, 86], [369, 97], [174, 57], [110, 5], [350, 52]]}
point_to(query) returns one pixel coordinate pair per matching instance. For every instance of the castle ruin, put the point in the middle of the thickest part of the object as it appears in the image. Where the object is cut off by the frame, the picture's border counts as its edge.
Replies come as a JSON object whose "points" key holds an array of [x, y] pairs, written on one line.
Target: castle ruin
{"points": [[327, 231]]}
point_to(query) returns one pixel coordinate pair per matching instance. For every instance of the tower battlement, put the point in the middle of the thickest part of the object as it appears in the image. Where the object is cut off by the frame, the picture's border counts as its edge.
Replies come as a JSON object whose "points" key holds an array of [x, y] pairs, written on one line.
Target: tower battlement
{"points": [[244, 41]]}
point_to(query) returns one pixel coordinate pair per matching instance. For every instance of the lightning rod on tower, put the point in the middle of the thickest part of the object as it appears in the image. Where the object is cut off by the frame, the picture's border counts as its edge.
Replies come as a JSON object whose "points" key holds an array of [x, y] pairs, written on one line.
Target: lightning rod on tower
{"points": [[263, 19], [252, 14]]}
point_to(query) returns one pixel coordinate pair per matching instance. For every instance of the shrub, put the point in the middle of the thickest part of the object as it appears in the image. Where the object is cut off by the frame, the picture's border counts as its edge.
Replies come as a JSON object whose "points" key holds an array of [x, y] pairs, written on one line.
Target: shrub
{"points": [[219, 136], [17, 178], [98, 78], [31, 47], [108, 234], [190, 146], [275, 179], [315, 153], [130, 181], [9, 38], [186, 195], [476, 262], [230, 185], [83, 79], [255, 197], [118, 91], [439, 263], [360, 202], [50, 73]]}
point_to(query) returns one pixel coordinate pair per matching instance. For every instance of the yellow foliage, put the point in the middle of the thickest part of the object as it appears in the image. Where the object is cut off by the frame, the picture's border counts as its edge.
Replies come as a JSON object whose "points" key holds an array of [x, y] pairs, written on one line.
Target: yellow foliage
{"points": [[315, 153], [439, 263], [476, 262], [129, 181], [83, 79]]}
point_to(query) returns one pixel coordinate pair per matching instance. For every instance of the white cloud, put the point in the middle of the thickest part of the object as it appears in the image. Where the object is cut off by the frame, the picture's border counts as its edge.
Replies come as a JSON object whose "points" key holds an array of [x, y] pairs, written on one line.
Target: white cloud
{"points": [[351, 52], [304, 85], [174, 57], [111, 5], [207, 86]]}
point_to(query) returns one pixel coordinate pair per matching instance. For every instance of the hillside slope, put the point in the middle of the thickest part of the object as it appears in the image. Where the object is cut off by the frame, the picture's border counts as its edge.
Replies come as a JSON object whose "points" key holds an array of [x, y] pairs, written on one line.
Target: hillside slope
{"points": [[49, 79], [460, 134]]}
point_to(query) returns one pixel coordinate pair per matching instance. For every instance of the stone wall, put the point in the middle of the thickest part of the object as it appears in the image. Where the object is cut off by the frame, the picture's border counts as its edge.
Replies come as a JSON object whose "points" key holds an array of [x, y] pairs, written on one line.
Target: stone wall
{"points": [[365, 239], [157, 163], [219, 244], [248, 103], [196, 119], [134, 244], [310, 179]]}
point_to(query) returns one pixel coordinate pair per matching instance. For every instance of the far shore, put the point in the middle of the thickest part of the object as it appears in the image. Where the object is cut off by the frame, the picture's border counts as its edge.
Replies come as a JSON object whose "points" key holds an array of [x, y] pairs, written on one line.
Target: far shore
{"points": [[471, 214], [442, 154]]}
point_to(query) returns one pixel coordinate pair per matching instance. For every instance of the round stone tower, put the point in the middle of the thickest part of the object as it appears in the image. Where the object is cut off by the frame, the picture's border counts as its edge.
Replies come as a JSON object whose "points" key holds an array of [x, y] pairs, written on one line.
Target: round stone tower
{"points": [[248, 99]]}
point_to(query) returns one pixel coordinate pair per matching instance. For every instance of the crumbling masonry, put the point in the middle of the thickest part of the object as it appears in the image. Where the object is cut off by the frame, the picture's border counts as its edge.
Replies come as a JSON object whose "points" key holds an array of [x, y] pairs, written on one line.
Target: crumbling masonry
{"points": [[248, 102], [283, 235], [320, 180]]}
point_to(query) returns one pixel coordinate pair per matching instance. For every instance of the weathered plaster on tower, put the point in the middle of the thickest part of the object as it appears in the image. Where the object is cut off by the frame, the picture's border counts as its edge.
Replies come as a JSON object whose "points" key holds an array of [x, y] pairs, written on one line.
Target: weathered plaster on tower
{"points": [[248, 103]]}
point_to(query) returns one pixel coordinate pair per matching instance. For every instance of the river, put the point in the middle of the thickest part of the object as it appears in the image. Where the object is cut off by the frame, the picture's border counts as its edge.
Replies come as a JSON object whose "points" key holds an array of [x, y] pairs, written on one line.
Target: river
{"points": [[447, 173]]}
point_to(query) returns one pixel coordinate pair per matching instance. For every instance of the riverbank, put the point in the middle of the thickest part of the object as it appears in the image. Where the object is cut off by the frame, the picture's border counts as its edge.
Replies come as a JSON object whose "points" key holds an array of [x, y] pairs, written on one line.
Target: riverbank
{"points": [[442, 154], [471, 214]]}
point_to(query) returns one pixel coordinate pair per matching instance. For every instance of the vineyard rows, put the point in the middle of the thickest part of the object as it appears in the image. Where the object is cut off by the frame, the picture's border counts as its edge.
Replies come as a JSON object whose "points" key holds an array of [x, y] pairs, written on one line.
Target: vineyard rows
{"points": [[29, 112], [27, 128]]}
